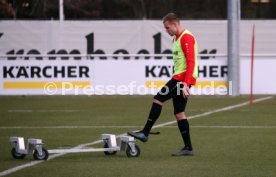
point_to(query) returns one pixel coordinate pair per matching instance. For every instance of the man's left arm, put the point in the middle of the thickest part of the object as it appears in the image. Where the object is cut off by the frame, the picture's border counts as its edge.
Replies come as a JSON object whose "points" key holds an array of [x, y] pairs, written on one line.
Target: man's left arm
{"points": [[187, 45]]}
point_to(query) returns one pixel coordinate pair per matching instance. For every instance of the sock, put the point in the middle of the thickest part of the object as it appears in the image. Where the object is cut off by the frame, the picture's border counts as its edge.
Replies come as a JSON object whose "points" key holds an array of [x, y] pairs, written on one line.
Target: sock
{"points": [[153, 116], [183, 126]]}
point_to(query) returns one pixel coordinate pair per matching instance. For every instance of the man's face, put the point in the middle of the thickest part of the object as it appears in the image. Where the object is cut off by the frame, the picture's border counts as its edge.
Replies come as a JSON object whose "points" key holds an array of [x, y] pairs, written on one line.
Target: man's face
{"points": [[171, 27]]}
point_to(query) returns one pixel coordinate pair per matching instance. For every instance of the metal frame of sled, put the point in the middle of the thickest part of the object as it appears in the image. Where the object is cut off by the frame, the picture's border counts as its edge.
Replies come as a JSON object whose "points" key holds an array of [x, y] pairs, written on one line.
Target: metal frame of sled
{"points": [[35, 147]]}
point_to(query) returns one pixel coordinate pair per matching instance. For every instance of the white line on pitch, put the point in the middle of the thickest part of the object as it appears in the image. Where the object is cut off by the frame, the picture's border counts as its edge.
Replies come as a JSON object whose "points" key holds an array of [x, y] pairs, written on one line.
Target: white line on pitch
{"points": [[67, 127], [228, 126], [125, 127], [216, 110], [42, 111], [20, 167]]}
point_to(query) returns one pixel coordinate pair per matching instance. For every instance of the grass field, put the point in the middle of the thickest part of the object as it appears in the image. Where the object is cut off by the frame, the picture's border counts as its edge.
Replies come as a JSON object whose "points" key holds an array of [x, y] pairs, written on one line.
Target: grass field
{"points": [[240, 142]]}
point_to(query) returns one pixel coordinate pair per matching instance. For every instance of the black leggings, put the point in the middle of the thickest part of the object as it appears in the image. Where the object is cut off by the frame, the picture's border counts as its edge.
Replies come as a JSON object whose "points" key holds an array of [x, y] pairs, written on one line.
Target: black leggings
{"points": [[173, 89]]}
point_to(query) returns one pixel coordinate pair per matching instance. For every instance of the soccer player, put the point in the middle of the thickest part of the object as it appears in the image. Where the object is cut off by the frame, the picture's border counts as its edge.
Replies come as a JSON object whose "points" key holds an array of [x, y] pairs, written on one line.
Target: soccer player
{"points": [[177, 88]]}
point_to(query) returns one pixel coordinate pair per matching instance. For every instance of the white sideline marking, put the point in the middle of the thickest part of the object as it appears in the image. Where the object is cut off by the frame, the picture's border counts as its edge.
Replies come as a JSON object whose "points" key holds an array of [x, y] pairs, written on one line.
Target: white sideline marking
{"points": [[228, 126], [129, 126], [67, 127], [20, 167], [216, 110], [41, 111]]}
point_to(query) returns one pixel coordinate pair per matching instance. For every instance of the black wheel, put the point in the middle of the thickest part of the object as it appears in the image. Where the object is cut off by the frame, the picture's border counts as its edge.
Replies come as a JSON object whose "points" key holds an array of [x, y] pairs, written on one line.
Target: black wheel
{"points": [[109, 152], [135, 153], [44, 155], [16, 155]]}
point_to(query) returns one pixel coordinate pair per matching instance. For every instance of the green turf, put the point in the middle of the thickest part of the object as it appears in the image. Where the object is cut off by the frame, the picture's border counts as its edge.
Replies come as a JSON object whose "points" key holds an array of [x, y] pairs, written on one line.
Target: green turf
{"points": [[235, 151]]}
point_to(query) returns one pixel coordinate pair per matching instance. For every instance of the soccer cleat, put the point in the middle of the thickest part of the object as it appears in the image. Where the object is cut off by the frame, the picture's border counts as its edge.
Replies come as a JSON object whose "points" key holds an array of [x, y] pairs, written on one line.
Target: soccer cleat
{"points": [[183, 152], [139, 135]]}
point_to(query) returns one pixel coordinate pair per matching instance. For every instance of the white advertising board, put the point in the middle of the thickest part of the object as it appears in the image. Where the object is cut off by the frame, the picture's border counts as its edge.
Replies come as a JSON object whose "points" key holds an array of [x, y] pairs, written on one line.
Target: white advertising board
{"points": [[21, 74]]}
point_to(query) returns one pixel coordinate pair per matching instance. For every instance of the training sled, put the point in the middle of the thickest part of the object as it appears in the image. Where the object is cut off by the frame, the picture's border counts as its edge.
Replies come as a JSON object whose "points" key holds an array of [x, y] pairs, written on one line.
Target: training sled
{"points": [[34, 147]]}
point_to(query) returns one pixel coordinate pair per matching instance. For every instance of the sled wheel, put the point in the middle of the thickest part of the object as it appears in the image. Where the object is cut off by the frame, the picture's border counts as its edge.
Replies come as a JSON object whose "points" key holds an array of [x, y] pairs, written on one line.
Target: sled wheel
{"points": [[109, 152], [17, 155], [44, 155], [134, 153]]}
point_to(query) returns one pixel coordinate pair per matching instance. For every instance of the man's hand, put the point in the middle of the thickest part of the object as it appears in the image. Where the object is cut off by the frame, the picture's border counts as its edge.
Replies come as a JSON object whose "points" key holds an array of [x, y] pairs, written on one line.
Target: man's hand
{"points": [[186, 90]]}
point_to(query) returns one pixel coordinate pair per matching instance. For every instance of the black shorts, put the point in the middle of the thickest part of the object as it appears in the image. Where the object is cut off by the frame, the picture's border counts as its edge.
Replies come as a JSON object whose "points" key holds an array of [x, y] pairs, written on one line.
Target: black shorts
{"points": [[173, 89]]}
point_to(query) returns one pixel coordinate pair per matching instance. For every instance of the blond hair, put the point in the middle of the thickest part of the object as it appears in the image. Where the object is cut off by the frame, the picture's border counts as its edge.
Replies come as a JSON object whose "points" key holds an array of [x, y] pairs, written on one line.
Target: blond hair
{"points": [[171, 17]]}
